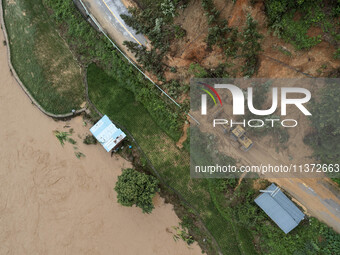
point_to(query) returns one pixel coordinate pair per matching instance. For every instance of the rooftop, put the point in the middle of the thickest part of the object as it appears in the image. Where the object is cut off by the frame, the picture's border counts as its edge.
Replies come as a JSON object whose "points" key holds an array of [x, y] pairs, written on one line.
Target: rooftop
{"points": [[279, 208]]}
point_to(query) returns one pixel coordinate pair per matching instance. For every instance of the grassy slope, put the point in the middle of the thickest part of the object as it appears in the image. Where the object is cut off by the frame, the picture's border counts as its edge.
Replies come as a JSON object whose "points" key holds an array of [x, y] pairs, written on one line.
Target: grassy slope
{"points": [[173, 164], [41, 58]]}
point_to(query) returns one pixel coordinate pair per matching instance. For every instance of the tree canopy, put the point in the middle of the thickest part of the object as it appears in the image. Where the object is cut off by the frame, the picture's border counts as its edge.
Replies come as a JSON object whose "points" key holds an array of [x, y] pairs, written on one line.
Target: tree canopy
{"points": [[135, 188]]}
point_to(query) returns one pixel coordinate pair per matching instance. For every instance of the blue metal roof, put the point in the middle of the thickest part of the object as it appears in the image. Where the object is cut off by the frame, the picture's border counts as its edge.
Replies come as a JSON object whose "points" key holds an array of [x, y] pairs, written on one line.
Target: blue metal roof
{"points": [[107, 133], [280, 208]]}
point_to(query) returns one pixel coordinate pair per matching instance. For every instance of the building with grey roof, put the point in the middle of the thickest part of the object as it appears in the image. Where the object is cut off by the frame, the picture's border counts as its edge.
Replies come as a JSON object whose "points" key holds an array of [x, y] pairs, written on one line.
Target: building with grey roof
{"points": [[279, 208]]}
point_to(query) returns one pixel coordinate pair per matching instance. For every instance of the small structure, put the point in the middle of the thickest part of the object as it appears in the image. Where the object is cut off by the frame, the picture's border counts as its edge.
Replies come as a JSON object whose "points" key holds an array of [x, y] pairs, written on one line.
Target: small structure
{"points": [[107, 134], [279, 208]]}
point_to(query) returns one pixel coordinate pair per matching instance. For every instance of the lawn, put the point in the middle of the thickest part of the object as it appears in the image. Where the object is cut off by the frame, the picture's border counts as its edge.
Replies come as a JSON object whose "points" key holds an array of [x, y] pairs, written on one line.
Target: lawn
{"points": [[41, 58]]}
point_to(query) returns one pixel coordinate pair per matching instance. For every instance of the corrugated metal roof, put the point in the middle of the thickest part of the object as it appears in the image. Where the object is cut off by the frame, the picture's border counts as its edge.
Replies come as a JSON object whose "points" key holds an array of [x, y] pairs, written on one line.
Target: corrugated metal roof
{"points": [[280, 208]]}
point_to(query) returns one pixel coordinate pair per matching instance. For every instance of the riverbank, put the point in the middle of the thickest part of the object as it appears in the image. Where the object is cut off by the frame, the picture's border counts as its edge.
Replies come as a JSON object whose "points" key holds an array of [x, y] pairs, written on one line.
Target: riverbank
{"points": [[53, 203]]}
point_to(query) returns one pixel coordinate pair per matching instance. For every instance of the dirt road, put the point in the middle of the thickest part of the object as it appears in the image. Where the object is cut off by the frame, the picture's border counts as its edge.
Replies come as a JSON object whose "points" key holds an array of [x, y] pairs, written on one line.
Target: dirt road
{"points": [[53, 203], [318, 196]]}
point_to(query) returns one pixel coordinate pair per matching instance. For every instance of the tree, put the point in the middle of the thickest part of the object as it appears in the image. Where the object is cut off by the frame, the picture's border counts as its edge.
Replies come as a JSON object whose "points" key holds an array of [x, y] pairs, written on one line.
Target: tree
{"points": [[135, 188], [151, 60], [251, 46]]}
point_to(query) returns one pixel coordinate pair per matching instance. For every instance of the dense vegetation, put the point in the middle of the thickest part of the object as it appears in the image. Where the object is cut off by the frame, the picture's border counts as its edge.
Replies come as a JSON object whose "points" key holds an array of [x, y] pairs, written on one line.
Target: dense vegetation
{"points": [[310, 237], [292, 20], [155, 20], [41, 58], [250, 47], [234, 43], [135, 188], [90, 46], [218, 32]]}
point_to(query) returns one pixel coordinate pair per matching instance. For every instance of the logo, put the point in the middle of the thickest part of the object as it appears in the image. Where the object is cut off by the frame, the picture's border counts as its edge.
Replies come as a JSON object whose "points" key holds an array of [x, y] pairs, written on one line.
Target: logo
{"points": [[239, 100], [204, 96], [303, 97]]}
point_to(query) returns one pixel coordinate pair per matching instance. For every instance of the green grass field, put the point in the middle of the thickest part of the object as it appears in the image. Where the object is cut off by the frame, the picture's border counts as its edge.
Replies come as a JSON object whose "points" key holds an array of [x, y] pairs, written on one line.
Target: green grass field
{"points": [[173, 164], [41, 58]]}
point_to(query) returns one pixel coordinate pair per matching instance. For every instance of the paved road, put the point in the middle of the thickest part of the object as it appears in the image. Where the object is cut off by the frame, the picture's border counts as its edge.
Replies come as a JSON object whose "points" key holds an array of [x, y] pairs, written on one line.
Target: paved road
{"points": [[108, 12]]}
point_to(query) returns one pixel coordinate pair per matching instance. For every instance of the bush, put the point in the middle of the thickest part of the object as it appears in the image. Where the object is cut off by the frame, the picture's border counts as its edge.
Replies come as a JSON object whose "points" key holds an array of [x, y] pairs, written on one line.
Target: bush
{"points": [[151, 60], [197, 70], [135, 188], [90, 139]]}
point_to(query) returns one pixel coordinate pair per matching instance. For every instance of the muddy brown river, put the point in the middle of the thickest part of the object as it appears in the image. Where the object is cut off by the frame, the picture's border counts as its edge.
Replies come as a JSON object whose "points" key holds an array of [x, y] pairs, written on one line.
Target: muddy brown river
{"points": [[51, 202]]}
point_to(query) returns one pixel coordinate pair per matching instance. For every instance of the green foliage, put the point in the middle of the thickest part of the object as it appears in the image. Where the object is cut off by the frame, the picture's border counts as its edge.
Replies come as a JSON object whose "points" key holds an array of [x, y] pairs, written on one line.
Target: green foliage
{"points": [[179, 31], [325, 119], [296, 33], [165, 116], [90, 139], [182, 234], [223, 185], [336, 180], [135, 188], [211, 12], [197, 70], [61, 136], [168, 8], [291, 20], [155, 20], [64, 137], [151, 60], [79, 154], [310, 237], [337, 54], [218, 32], [175, 89], [90, 46], [71, 141], [251, 47]]}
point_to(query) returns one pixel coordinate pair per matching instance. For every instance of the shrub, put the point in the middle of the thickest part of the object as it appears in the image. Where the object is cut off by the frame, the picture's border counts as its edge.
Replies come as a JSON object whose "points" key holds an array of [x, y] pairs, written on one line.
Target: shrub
{"points": [[151, 60], [135, 188], [90, 139], [197, 70]]}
